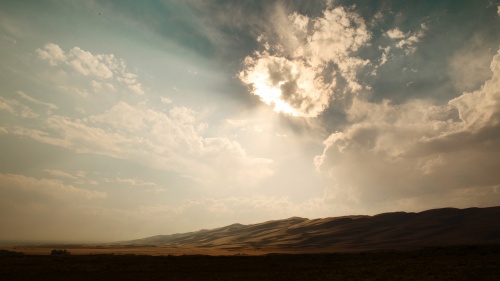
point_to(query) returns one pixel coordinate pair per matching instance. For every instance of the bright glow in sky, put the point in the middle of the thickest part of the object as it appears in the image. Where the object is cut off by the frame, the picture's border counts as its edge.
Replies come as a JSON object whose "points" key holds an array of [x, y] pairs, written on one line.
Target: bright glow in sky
{"points": [[131, 119]]}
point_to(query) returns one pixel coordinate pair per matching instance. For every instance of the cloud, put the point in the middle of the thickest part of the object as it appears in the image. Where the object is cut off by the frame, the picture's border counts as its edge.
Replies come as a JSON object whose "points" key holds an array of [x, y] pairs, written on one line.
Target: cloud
{"points": [[99, 86], [395, 34], [135, 182], [8, 39], [298, 70], [469, 66], [16, 108], [170, 141], [130, 80], [136, 88], [101, 66], [52, 53], [393, 153], [238, 123], [481, 109], [165, 100], [48, 208], [87, 64], [385, 54], [289, 86], [42, 188], [60, 174], [406, 41], [35, 101], [173, 139]]}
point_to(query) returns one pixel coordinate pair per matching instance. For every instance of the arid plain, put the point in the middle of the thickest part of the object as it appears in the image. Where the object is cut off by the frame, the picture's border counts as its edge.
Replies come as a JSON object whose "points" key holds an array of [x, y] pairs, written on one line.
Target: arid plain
{"points": [[440, 244]]}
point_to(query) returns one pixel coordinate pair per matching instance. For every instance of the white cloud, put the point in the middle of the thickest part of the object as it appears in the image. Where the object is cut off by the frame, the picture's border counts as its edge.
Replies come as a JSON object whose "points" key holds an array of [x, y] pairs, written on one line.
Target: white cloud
{"points": [[385, 54], [395, 34], [19, 109], [415, 150], [102, 66], [406, 41], [293, 73], [481, 108], [74, 91], [52, 53], [28, 186], [337, 34], [135, 182], [88, 64], [238, 123], [100, 86], [399, 40], [171, 141], [408, 44], [136, 88], [165, 100], [16, 108], [60, 174], [130, 80], [35, 101]]}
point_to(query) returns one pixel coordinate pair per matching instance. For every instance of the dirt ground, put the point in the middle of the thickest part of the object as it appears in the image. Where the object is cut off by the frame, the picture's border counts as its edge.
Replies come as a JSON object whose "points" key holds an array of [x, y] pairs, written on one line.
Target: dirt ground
{"points": [[450, 263]]}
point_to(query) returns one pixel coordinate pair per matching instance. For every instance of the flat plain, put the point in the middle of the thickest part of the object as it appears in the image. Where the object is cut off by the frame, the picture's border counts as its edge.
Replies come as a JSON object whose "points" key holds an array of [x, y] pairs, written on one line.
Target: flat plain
{"points": [[440, 244], [435, 263]]}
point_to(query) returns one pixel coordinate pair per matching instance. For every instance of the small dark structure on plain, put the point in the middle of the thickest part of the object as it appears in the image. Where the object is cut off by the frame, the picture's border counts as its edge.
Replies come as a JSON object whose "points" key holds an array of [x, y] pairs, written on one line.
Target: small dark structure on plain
{"points": [[60, 253]]}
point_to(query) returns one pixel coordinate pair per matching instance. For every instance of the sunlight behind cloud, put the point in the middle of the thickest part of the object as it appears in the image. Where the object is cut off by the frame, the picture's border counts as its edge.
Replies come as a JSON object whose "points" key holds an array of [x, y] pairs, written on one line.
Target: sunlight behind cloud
{"points": [[309, 62], [270, 94]]}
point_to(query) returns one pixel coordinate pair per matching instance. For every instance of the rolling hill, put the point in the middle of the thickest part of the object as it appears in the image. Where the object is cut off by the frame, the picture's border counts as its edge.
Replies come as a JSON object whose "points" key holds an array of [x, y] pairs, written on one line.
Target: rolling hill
{"points": [[398, 230]]}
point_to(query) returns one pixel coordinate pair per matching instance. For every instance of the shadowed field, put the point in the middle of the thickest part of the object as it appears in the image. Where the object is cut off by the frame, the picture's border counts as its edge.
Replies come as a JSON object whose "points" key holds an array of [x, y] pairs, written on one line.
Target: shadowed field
{"points": [[448, 263]]}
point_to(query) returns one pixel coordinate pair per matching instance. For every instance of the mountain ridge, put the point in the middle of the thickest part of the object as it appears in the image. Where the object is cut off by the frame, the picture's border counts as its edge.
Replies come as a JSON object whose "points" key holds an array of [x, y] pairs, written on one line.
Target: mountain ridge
{"points": [[394, 230]]}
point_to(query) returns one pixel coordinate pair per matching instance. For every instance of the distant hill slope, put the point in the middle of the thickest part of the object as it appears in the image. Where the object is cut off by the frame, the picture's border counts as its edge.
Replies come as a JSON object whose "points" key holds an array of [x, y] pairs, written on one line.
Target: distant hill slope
{"points": [[398, 230]]}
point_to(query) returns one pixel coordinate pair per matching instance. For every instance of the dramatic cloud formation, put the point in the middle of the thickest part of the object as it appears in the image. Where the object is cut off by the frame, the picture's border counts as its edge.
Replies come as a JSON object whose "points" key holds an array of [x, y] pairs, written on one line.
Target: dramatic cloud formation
{"points": [[298, 69], [419, 150]]}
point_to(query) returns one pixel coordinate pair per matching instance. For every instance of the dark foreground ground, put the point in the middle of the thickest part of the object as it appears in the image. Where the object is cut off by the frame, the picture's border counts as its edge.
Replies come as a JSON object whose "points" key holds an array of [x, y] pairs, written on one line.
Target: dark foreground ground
{"points": [[450, 263]]}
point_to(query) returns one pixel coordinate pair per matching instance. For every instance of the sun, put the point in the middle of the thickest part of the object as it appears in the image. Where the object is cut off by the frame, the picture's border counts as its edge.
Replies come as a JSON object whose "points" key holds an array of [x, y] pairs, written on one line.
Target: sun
{"points": [[270, 94]]}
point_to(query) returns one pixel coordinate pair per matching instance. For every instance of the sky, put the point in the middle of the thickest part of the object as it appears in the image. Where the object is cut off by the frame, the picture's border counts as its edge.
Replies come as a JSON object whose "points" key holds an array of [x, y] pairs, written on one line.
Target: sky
{"points": [[127, 119]]}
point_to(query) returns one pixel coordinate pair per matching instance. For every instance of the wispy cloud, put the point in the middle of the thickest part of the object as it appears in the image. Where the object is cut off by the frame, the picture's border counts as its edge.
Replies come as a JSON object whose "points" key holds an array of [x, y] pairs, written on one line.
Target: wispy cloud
{"points": [[14, 183], [14, 107], [35, 101], [172, 141], [60, 174]]}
